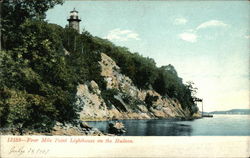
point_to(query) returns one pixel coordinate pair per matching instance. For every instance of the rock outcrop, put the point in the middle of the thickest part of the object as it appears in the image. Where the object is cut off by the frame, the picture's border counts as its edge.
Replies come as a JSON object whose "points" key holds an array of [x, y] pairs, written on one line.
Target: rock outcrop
{"points": [[89, 97], [127, 102], [81, 129], [116, 128], [68, 129]]}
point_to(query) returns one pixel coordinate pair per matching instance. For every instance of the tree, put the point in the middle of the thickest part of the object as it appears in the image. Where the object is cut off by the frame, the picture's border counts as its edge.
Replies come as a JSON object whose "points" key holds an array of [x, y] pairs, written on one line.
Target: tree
{"points": [[35, 79], [16, 12], [192, 88]]}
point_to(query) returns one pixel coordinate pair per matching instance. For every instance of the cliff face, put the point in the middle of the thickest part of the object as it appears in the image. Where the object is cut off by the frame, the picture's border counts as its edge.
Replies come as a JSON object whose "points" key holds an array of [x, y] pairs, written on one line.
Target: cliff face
{"points": [[126, 100]]}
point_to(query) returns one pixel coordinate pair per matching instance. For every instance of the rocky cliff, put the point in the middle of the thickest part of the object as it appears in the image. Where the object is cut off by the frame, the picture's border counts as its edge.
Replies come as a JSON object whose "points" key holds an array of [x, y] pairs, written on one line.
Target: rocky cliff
{"points": [[122, 99]]}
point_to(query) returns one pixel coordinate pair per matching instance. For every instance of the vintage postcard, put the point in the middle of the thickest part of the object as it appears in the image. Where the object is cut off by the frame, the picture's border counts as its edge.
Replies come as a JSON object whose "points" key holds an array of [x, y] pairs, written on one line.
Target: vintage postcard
{"points": [[124, 78]]}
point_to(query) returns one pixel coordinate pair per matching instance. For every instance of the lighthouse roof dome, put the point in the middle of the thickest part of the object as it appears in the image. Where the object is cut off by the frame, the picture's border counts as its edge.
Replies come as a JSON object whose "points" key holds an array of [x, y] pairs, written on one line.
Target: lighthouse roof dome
{"points": [[74, 13]]}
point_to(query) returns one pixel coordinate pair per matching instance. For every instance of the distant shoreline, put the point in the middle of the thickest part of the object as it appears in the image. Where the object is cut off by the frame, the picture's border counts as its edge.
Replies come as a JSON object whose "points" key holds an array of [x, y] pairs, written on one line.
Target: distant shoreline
{"points": [[231, 112]]}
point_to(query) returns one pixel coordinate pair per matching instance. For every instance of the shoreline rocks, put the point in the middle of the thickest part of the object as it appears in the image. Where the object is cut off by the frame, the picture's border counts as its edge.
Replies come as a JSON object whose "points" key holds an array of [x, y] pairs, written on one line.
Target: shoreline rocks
{"points": [[116, 128], [81, 129]]}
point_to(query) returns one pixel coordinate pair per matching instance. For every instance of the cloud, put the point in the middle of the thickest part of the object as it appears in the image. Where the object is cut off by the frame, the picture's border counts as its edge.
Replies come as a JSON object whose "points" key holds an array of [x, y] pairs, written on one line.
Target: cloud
{"points": [[180, 21], [211, 23], [189, 37], [247, 36], [122, 35]]}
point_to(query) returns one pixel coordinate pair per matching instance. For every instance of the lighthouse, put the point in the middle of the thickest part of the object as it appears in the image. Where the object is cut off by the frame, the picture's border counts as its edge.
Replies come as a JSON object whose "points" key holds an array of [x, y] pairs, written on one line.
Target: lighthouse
{"points": [[74, 20]]}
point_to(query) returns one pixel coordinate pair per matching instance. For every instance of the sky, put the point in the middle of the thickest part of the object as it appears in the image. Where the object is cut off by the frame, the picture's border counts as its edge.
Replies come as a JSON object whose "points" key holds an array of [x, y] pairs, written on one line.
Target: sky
{"points": [[208, 42]]}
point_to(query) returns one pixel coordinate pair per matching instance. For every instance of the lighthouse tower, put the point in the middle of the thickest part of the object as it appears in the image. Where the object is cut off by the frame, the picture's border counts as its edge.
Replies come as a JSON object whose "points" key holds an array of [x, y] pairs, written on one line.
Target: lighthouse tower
{"points": [[74, 20]]}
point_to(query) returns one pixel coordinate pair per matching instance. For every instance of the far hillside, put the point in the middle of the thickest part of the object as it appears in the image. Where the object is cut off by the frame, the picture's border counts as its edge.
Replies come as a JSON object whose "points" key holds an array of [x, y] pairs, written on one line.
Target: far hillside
{"points": [[233, 112]]}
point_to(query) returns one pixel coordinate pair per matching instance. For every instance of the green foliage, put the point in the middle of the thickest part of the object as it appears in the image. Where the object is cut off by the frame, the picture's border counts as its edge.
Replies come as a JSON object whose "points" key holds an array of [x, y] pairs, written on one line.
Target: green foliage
{"points": [[169, 84], [108, 96], [83, 60], [40, 82], [150, 99], [131, 101], [22, 106], [16, 12]]}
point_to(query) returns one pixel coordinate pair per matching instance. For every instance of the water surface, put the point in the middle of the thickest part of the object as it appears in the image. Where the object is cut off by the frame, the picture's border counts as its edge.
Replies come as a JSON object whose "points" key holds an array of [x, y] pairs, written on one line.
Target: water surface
{"points": [[219, 125]]}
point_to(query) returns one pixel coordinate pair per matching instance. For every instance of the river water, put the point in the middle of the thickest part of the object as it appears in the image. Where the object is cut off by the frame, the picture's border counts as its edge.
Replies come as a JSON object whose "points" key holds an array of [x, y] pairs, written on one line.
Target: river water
{"points": [[219, 125]]}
